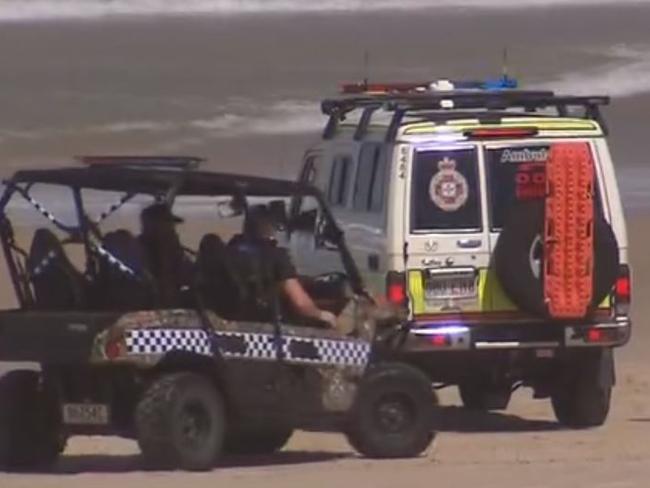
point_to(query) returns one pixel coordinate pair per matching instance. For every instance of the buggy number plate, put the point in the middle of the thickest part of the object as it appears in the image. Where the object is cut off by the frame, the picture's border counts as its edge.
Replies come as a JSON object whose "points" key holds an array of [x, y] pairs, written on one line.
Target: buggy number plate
{"points": [[85, 414], [444, 285]]}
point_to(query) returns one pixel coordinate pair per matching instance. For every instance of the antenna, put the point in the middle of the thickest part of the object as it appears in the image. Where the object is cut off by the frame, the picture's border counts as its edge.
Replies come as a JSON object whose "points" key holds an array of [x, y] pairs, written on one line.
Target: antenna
{"points": [[504, 67], [366, 65]]}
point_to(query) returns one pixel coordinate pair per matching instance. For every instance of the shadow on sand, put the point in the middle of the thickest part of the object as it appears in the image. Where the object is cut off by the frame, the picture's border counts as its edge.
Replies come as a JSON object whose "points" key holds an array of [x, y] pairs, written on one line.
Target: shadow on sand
{"points": [[93, 463], [447, 419], [457, 419]]}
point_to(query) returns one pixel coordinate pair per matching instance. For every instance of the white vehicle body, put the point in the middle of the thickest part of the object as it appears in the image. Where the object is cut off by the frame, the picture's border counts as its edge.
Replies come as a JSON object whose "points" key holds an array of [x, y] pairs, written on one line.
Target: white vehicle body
{"points": [[423, 184], [371, 180]]}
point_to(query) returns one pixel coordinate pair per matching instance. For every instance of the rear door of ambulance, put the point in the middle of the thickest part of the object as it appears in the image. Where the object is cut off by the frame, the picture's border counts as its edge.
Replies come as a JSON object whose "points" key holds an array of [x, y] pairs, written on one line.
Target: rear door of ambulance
{"points": [[447, 246]]}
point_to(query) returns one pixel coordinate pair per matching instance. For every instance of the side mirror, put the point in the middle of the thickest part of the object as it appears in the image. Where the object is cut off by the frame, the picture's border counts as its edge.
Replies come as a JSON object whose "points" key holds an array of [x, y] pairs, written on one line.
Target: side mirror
{"points": [[327, 235], [304, 222]]}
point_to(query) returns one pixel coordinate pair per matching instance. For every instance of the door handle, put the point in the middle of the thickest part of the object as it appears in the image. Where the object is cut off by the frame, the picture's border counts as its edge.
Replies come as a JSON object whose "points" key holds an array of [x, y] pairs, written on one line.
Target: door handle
{"points": [[469, 243], [431, 262]]}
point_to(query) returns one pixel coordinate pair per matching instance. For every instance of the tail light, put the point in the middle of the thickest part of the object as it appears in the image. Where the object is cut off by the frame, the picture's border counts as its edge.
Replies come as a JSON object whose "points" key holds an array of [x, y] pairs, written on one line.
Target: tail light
{"points": [[115, 348], [440, 340], [602, 335], [623, 291], [396, 288]]}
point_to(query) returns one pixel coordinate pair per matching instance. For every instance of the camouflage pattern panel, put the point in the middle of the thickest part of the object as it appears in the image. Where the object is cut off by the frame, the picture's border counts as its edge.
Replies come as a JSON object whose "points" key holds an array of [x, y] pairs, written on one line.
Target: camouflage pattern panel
{"points": [[144, 338]]}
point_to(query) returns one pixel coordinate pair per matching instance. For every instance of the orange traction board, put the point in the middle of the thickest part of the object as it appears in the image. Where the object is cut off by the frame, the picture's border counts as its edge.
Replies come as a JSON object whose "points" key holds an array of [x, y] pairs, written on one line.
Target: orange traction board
{"points": [[568, 230]]}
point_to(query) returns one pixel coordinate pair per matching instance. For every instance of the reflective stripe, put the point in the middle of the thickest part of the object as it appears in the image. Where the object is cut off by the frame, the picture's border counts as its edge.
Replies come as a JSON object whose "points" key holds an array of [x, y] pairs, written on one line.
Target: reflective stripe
{"points": [[416, 291], [540, 124]]}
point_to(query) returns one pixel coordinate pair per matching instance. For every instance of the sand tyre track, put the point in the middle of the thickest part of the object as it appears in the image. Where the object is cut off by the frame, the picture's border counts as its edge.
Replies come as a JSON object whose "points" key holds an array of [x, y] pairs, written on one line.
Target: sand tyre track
{"points": [[257, 439], [393, 413], [181, 422], [31, 437], [583, 400], [518, 257]]}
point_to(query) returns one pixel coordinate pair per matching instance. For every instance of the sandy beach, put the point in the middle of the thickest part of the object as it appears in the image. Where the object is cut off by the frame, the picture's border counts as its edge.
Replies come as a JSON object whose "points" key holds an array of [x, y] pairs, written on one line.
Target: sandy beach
{"points": [[243, 91]]}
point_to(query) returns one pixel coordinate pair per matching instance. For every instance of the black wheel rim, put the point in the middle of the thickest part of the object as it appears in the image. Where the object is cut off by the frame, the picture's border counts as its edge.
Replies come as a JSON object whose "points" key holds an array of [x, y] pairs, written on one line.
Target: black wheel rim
{"points": [[394, 414], [195, 425]]}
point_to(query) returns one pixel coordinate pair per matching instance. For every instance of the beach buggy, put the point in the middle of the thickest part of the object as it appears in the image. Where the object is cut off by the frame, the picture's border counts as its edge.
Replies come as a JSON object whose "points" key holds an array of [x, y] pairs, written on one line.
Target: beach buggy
{"points": [[202, 379]]}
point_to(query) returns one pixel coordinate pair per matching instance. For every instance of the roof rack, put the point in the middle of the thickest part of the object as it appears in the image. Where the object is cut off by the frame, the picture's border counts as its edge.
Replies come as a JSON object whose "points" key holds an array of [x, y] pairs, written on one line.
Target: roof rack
{"points": [[158, 162], [401, 104]]}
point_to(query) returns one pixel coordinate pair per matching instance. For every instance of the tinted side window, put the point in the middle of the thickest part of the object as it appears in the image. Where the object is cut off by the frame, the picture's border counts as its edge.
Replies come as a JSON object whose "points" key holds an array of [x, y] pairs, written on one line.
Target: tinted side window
{"points": [[338, 187], [378, 188], [446, 191], [367, 173]]}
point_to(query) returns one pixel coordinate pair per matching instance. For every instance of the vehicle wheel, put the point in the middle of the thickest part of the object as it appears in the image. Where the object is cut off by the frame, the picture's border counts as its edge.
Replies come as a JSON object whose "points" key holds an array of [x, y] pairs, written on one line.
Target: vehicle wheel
{"points": [[180, 422], [519, 260], [583, 401], [31, 434], [257, 442], [393, 413], [482, 398]]}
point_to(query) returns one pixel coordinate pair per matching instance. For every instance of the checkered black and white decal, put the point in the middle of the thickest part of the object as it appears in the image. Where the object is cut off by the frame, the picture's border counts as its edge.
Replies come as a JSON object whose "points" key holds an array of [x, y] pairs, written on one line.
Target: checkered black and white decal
{"points": [[161, 341], [259, 346]]}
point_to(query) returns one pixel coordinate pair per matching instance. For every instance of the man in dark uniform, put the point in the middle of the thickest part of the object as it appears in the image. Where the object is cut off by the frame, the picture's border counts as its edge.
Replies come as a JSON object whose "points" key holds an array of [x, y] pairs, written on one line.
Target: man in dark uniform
{"points": [[164, 255], [258, 242]]}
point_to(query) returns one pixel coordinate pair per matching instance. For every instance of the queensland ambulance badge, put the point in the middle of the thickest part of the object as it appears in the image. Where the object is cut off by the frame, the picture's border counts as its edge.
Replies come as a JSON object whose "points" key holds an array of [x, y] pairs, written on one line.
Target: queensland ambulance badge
{"points": [[448, 188]]}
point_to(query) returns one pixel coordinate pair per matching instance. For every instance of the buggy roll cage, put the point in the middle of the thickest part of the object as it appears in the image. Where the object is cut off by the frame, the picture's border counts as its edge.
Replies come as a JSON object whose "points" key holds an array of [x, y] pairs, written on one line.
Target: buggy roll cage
{"points": [[165, 178], [453, 102]]}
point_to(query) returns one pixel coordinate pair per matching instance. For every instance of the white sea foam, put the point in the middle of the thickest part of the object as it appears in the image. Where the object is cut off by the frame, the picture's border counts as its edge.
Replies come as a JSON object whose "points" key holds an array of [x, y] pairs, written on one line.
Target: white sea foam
{"points": [[233, 119], [21, 10], [132, 126], [286, 117], [627, 74]]}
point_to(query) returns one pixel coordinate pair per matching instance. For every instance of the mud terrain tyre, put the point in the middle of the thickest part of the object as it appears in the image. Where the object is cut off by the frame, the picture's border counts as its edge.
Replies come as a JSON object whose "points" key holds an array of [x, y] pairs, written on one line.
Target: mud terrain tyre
{"points": [[481, 398], [180, 422], [393, 413], [519, 245], [257, 441], [31, 436], [584, 400]]}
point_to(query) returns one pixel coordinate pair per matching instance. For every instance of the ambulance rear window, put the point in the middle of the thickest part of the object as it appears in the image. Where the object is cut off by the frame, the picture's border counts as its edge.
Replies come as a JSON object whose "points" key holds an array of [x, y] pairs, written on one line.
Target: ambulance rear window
{"points": [[516, 173], [446, 193]]}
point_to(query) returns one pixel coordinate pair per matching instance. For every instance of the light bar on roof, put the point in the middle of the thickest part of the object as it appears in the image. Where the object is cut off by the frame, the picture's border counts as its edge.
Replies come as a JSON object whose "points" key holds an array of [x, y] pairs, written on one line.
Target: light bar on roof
{"points": [[441, 85]]}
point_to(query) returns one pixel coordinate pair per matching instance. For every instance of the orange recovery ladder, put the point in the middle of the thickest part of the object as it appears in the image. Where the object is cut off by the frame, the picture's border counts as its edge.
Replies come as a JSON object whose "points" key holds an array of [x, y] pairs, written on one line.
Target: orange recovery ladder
{"points": [[568, 232]]}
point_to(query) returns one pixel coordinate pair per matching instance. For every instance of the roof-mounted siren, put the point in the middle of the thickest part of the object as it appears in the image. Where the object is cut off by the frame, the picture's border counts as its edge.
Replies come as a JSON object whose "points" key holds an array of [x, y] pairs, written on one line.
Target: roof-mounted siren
{"points": [[142, 162]]}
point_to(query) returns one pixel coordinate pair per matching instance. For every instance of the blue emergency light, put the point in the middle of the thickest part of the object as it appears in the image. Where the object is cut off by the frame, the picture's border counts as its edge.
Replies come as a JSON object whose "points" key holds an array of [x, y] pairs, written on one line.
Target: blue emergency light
{"points": [[503, 83]]}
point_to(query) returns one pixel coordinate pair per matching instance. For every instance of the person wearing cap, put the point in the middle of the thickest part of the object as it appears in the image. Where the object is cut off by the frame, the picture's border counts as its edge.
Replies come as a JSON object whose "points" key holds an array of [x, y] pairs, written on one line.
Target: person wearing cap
{"points": [[163, 253], [258, 240]]}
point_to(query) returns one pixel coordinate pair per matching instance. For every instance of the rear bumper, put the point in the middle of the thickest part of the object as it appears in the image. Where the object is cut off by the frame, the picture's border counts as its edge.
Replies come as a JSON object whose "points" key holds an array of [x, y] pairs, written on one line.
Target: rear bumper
{"points": [[432, 336]]}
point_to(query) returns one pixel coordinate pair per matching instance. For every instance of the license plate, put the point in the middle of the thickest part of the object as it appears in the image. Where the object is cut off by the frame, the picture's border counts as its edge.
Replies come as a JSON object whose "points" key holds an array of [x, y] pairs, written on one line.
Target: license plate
{"points": [[450, 286], [85, 414]]}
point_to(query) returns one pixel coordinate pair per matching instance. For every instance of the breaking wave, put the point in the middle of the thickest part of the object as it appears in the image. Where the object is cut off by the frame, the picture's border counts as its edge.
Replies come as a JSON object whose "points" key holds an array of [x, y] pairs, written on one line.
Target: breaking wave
{"points": [[235, 119], [287, 117], [627, 74], [23, 10]]}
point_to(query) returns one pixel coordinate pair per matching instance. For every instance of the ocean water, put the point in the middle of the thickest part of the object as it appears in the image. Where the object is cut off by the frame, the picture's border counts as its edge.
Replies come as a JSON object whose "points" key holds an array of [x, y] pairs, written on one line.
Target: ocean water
{"points": [[239, 81], [28, 10]]}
